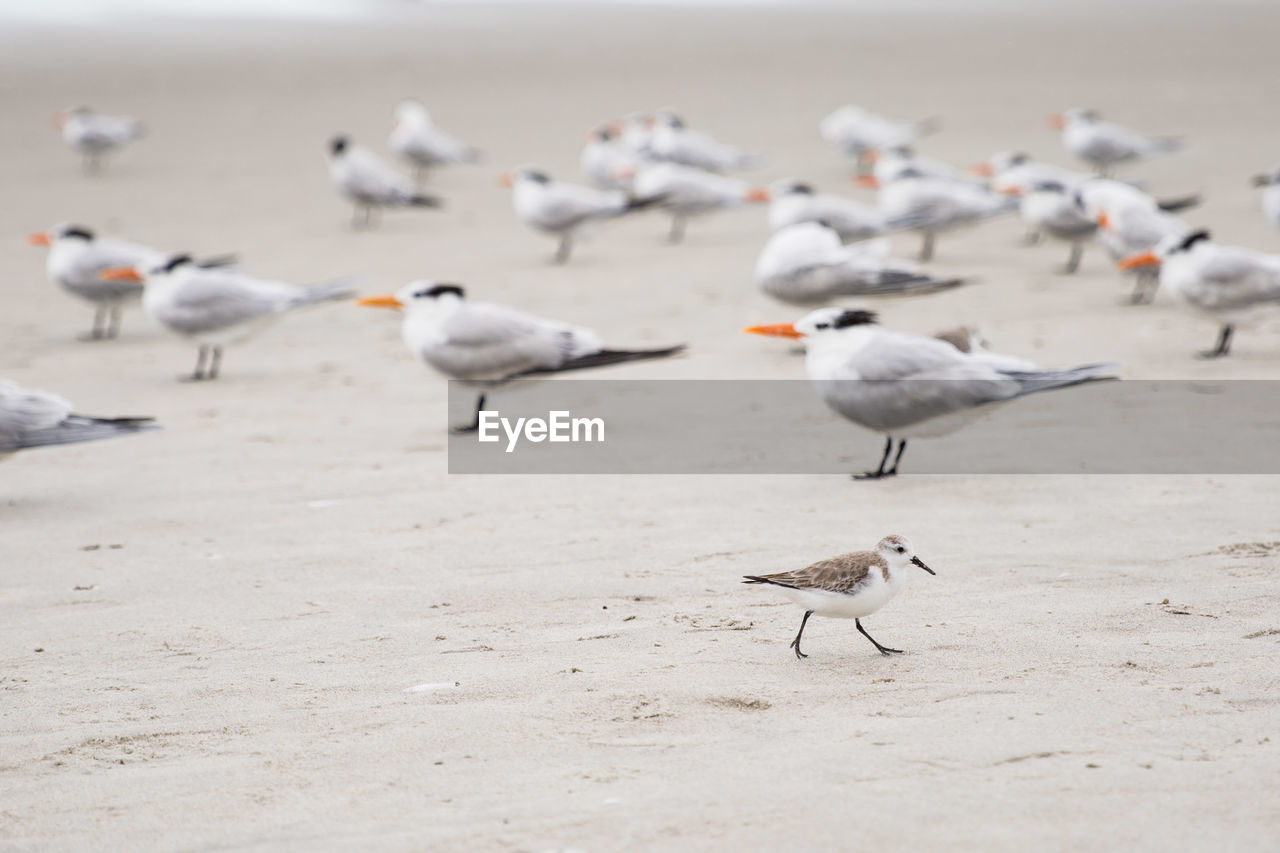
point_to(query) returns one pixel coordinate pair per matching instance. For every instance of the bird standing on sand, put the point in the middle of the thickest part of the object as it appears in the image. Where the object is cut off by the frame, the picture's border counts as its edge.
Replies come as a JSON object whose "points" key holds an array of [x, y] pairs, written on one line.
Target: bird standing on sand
{"points": [[216, 308], [673, 142], [939, 204], [425, 146], [1104, 145], [40, 418], [94, 135], [684, 191], [862, 134], [850, 586], [561, 209], [486, 344], [370, 182]]}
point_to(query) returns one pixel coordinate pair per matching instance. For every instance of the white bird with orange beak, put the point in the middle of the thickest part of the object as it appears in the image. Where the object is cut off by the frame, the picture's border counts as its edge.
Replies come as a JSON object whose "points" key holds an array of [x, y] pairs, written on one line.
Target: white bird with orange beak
{"points": [[77, 257], [792, 202], [424, 145], [1012, 172], [607, 162], [862, 134], [907, 386], [562, 209], [1103, 144], [93, 135], [672, 142], [486, 345], [684, 191], [1129, 221], [939, 204], [1232, 284], [371, 183], [216, 308], [891, 162]]}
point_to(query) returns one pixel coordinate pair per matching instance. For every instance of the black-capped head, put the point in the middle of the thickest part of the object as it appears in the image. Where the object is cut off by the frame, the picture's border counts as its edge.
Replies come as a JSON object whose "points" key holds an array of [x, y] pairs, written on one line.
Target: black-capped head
{"points": [[74, 232], [1190, 240], [1018, 158], [830, 319], [435, 291], [1049, 187], [338, 145], [536, 175], [854, 318], [173, 263]]}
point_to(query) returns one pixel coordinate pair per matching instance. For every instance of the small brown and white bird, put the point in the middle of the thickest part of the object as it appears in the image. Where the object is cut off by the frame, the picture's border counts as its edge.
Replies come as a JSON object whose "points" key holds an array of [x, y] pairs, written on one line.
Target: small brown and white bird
{"points": [[850, 586]]}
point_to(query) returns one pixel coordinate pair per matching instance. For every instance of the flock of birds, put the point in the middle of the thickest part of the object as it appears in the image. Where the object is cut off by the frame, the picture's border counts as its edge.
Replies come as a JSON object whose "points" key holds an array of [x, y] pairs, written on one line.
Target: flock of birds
{"points": [[824, 247]]}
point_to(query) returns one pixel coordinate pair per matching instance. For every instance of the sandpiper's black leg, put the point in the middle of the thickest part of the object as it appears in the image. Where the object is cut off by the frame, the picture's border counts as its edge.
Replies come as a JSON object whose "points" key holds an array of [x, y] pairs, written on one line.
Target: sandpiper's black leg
{"points": [[201, 355], [884, 650], [1224, 343], [475, 423], [893, 472], [926, 247], [216, 364], [884, 460], [566, 246], [795, 644], [677, 228]]}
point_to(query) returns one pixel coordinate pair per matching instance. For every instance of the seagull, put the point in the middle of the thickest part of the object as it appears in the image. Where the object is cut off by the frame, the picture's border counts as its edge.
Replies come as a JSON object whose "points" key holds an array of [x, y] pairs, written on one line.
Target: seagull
{"points": [[562, 209], [216, 307], [370, 182], [1103, 144], [607, 161], [93, 134], [939, 204], [485, 344], [792, 202], [909, 386], [39, 418], [1129, 221], [1229, 283], [685, 191], [806, 263], [849, 586], [1049, 207], [861, 133], [425, 146], [76, 259], [1270, 196], [673, 142]]}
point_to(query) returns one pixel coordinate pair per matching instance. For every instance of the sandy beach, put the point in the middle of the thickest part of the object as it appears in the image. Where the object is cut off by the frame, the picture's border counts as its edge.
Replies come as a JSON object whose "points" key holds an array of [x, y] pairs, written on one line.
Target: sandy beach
{"points": [[209, 633]]}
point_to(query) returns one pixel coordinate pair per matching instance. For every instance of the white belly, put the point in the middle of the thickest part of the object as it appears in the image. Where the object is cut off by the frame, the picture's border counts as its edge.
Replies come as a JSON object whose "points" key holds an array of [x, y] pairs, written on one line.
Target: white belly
{"points": [[869, 598]]}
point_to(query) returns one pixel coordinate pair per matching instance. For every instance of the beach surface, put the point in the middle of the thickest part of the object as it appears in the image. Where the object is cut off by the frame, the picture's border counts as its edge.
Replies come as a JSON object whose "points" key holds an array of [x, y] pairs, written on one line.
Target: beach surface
{"points": [[279, 623]]}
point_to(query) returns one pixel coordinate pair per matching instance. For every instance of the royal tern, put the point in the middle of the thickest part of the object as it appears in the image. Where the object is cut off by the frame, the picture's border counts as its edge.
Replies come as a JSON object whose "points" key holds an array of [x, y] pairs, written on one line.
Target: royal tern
{"points": [[76, 259], [1012, 173], [792, 202], [892, 162], [425, 146], [1270, 196], [908, 386], [684, 191], [850, 586], [40, 418], [1129, 221], [807, 263], [635, 133], [485, 344], [607, 162], [939, 204], [93, 135], [673, 142], [861, 133], [1049, 207], [1103, 144], [562, 209], [370, 182], [1232, 284], [215, 308]]}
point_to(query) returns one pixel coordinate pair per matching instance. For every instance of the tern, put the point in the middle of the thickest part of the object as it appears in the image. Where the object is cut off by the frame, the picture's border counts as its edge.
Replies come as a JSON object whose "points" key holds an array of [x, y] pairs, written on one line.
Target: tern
{"points": [[1232, 284], [1270, 195], [673, 142], [684, 191], [850, 586], [1012, 172], [371, 183], [939, 204], [215, 308], [76, 260], [792, 202], [425, 146], [486, 345], [860, 133], [562, 209], [908, 386], [39, 418], [1129, 222], [609, 163], [892, 162], [807, 263], [1103, 144], [93, 135], [1049, 207]]}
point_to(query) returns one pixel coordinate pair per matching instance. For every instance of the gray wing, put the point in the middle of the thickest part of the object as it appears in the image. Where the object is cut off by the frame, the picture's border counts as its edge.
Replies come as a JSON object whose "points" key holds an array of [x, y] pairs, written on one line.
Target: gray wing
{"points": [[213, 299], [39, 418], [1238, 279]]}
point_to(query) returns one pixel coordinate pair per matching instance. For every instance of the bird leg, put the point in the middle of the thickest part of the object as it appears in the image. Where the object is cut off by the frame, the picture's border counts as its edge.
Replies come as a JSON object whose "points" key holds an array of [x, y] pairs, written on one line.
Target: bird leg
{"points": [[1073, 261], [91, 163], [114, 330], [356, 212], [893, 472], [1224, 344], [216, 363], [474, 425], [96, 333], [199, 373], [566, 246], [884, 650], [1033, 237], [795, 644], [1147, 281], [677, 228], [884, 460], [926, 247]]}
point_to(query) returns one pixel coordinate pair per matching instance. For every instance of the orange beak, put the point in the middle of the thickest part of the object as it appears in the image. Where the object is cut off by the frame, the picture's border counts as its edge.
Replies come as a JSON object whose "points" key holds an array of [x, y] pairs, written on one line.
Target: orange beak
{"points": [[1057, 121], [870, 155], [1141, 259], [38, 238], [868, 182], [778, 330], [615, 127], [756, 194], [1103, 220], [58, 120], [983, 169], [1009, 189], [625, 172], [506, 179], [119, 274], [383, 300]]}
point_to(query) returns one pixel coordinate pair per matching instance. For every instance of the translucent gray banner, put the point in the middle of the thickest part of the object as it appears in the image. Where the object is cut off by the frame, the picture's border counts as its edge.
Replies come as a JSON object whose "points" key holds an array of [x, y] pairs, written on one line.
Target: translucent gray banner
{"points": [[784, 427]]}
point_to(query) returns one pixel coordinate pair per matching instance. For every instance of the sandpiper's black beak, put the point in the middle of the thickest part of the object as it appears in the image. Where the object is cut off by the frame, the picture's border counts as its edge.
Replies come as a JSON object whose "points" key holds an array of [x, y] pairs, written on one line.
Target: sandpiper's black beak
{"points": [[917, 561]]}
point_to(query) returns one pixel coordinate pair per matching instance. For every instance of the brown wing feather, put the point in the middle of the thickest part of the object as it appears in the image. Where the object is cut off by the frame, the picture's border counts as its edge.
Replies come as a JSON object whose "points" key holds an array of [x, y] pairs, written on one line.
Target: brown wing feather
{"points": [[834, 574]]}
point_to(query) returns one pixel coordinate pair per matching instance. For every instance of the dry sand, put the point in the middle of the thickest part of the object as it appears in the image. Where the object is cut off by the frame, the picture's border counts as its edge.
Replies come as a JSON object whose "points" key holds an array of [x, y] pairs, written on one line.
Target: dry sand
{"points": [[207, 632]]}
